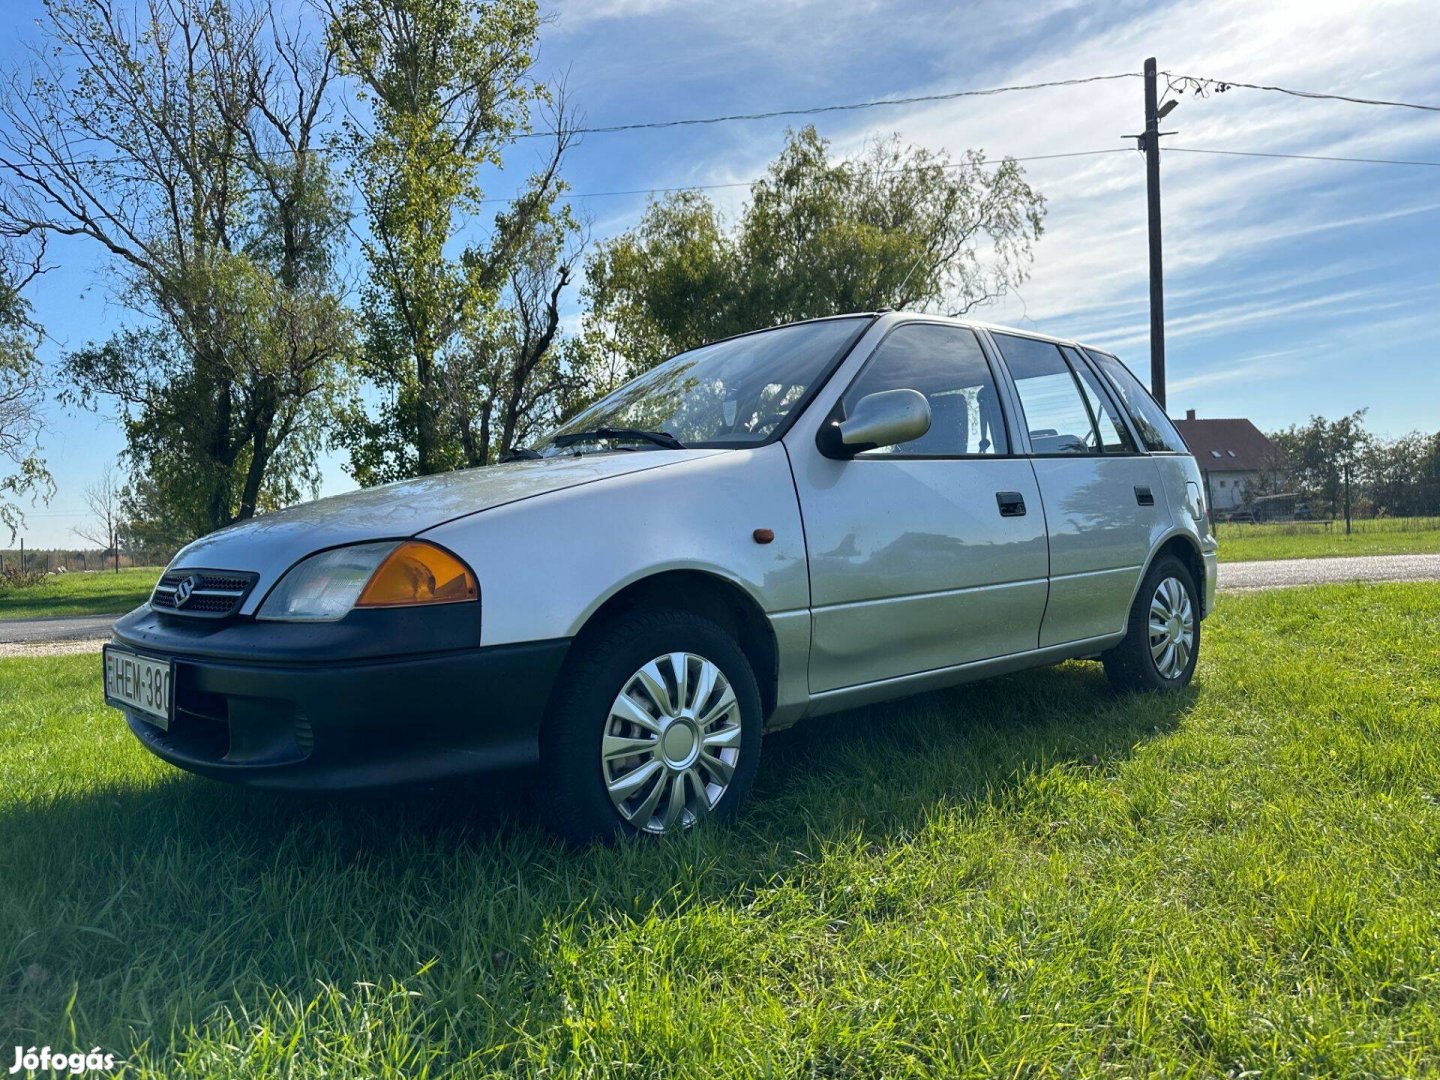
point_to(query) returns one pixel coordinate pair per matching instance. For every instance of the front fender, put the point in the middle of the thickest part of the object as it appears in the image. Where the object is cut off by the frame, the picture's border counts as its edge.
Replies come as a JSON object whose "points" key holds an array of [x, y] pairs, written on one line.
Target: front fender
{"points": [[547, 564]]}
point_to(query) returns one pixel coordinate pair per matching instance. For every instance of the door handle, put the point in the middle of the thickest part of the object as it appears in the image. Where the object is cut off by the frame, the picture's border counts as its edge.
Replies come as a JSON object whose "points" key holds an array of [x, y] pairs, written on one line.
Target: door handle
{"points": [[1011, 503], [1144, 496]]}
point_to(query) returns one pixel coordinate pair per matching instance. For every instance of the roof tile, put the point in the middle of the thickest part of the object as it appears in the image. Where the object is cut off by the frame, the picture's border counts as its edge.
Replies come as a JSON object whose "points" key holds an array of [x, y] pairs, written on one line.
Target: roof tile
{"points": [[1231, 445]]}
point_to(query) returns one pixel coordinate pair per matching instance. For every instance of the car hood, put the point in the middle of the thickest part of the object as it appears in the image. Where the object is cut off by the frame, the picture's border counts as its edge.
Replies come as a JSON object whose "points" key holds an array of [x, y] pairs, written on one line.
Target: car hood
{"points": [[270, 544]]}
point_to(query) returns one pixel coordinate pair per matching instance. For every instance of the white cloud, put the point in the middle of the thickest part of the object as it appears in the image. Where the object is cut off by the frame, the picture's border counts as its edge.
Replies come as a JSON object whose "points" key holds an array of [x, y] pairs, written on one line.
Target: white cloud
{"points": [[1253, 246], [1225, 218], [1099, 201]]}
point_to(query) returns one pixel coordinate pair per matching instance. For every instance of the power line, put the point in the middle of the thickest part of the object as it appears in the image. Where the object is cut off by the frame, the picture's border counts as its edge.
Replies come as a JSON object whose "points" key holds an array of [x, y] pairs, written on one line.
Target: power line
{"points": [[1206, 81], [649, 125], [1027, 157], [1302, 157], [752, 183], [1199, 82], [816, 109]]}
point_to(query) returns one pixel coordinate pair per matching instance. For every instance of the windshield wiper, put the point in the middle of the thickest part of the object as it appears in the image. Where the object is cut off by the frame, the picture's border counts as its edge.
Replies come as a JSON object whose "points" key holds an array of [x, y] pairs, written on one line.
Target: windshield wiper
{"points": [[659, 438], [519, 453]]}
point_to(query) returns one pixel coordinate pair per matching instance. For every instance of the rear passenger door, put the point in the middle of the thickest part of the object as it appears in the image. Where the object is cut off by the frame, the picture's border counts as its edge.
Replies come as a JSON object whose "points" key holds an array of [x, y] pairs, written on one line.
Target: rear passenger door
{"points": [[1104, 506]]}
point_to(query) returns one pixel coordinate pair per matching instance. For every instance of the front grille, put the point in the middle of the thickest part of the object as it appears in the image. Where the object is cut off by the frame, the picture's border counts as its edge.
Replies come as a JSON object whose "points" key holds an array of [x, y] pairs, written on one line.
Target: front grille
{"points": [[212, 594]]}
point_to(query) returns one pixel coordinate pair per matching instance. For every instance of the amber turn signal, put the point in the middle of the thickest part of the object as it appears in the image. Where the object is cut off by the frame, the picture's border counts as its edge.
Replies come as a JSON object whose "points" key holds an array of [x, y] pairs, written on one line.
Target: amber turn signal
{"points": [[419, 573]]}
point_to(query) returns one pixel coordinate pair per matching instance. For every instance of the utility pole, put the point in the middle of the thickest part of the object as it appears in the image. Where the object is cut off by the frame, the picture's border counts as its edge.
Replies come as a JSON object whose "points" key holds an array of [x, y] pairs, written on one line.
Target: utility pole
{"points": [[1347, 496], [1150, 144]]}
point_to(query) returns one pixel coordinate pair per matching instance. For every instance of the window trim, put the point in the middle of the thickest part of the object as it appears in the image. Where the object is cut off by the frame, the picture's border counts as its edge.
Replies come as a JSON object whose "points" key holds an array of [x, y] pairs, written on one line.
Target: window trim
{"points": [[837, 412], [1107, 394], [1113, 396], [1090, 352], [1059, 347], [1099, 450]]}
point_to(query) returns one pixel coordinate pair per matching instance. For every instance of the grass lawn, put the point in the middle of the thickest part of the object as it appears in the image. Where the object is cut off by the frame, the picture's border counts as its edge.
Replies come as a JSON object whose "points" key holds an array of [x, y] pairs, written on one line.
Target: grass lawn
{"points": [[98, 593], [1240, 542], [1027, 877]]}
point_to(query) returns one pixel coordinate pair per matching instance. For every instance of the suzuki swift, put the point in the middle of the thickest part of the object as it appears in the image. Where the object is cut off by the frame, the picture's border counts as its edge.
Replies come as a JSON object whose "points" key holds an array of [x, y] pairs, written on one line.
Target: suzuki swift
{"points": [[771, 527]]}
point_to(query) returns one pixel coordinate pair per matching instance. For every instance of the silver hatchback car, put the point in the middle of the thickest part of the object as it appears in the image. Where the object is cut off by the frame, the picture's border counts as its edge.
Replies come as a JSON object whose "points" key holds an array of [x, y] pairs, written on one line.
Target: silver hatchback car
{"points": [[775, 526]]}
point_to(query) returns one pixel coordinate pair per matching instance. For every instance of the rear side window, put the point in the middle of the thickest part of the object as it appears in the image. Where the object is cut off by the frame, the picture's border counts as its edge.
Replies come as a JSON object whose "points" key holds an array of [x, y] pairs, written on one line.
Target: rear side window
{"points": [[946, 365], [1114, 436], [1057, 415], [1156, 430]]}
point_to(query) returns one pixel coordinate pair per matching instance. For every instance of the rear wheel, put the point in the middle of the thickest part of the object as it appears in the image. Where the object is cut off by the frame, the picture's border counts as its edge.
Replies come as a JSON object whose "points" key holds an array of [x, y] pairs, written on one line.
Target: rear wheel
{"points": [[654, 727], [1162, 637]]}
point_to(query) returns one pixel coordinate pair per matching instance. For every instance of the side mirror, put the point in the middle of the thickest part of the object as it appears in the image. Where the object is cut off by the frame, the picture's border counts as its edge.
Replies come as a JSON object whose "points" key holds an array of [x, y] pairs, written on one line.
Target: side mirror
{"points": [[884, 419]]}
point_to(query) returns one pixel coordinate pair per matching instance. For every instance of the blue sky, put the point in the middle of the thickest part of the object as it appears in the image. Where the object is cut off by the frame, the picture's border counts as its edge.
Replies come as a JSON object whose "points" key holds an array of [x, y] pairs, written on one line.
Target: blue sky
{"points": [[1293, 287]]}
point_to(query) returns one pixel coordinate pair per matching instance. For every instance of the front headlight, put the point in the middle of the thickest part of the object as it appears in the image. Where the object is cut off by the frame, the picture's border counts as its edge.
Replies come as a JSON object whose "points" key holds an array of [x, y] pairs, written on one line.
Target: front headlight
{"points": [[389, 573]]}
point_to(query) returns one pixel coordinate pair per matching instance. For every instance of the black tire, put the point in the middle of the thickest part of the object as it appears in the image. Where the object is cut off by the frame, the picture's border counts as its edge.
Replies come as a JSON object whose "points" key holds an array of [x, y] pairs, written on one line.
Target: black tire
{"points": [[1131, 665], [574, 799]]}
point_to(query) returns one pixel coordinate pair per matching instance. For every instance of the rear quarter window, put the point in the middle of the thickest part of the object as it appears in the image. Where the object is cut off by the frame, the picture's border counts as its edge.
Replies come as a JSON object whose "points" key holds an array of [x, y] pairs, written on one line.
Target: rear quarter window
{"points": [[1155, 428]]}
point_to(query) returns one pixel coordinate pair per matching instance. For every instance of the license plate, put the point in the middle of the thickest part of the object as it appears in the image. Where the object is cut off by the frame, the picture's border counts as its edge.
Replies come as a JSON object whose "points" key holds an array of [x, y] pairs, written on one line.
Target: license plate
{"points": [[138, 682]]}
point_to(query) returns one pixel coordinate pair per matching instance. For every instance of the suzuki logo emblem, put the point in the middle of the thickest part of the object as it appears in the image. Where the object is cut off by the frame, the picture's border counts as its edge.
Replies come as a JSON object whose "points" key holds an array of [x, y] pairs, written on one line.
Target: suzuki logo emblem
{"points": [[184, 590]]}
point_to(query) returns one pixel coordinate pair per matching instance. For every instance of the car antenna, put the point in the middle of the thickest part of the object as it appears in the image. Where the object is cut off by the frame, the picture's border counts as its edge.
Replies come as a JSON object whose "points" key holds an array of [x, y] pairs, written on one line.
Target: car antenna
{"points": [[908, 274]]}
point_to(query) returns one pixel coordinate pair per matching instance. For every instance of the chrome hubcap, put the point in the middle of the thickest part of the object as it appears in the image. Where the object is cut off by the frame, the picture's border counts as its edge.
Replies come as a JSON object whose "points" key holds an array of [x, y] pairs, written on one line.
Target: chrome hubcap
{"points": [[672, 742], [1172, 628]]}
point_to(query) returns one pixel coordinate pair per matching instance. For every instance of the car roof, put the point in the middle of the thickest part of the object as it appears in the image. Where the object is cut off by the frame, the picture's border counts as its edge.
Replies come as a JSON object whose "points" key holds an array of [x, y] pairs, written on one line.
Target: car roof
{"points": [[927, 316], [983, 324]]}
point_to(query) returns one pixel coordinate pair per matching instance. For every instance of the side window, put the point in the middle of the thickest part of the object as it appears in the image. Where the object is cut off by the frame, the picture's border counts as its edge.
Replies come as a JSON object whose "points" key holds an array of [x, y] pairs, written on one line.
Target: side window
{"points": [[1056, 415], [946, 365], [1114, 437], [1156, 430]]}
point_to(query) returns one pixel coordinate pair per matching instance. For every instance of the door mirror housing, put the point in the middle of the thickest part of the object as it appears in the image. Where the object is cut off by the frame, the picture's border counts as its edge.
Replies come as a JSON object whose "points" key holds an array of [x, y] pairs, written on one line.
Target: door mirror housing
{"points": [[887, 418]]}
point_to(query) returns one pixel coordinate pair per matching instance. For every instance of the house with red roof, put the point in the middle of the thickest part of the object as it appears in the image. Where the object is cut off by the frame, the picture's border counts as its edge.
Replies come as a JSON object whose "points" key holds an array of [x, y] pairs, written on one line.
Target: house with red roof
{"points": [[1238, 461]]}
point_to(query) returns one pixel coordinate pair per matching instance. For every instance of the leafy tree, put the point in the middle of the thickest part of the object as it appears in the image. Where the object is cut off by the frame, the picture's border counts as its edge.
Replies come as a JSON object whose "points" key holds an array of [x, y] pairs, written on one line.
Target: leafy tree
{"points": [[179, 135], [1322, 453], [895, 227], [449, 88], [1430, 463], [22, 390], [1402, 475], [165, 405]]}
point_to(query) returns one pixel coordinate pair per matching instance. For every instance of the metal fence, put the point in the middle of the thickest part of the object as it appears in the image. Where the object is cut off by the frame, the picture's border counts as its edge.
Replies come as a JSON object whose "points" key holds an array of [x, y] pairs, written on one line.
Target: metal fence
{"points": [[1324, 525], [1411, 503], [48, 560]]}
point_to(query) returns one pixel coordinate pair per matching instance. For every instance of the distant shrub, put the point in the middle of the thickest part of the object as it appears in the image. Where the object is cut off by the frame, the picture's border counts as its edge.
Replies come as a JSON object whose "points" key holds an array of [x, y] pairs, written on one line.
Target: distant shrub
{"points": [[12, 577]]}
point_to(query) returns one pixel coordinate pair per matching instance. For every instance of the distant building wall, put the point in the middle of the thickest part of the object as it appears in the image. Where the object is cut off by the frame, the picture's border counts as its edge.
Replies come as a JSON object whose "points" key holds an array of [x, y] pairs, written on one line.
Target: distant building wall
{"points": [[1233, 454], [1228, 490]]}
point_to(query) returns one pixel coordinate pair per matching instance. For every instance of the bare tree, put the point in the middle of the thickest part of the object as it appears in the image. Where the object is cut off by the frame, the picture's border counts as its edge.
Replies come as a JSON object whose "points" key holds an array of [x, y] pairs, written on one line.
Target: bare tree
{"points": [[179, 136], [22, 386], [103, 500], [510, 380]]}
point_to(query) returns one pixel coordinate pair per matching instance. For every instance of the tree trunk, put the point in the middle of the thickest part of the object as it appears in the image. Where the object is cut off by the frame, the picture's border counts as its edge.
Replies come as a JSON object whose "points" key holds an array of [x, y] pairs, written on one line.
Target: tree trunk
{"points": [[426, 436], [484, 448], [222, 458], [255, 473]]}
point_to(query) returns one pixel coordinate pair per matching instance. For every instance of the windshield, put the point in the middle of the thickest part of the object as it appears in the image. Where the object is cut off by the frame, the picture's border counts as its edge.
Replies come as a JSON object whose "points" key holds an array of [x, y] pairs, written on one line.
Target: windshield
{"points": [[733, 393]]}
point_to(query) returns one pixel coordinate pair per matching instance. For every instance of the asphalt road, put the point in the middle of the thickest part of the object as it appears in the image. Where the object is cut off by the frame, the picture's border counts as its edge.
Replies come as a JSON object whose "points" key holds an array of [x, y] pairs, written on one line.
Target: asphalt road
{"points": [[1283, 573], [36, 637], [64, 628]]}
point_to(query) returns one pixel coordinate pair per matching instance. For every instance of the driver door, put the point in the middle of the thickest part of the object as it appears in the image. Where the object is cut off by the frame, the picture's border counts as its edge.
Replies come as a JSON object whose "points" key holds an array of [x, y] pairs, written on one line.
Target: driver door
{"points": [[928, 554]]}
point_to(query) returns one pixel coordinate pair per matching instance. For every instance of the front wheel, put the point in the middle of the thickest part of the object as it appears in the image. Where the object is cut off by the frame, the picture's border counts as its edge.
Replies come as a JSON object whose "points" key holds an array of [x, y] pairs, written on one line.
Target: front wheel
{"points": [[1162, 637], [654, 727]]}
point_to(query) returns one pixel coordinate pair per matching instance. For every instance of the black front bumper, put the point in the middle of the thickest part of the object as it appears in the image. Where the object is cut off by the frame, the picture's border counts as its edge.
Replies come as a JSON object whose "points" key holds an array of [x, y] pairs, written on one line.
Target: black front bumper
{"points": [[350, 704]]}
